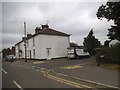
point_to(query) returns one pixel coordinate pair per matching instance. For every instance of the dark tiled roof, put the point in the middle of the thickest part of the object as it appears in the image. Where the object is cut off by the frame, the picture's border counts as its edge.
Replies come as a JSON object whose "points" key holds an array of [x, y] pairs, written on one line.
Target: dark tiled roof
{"points": [[18, 42], [47, 31], [50, 31]]}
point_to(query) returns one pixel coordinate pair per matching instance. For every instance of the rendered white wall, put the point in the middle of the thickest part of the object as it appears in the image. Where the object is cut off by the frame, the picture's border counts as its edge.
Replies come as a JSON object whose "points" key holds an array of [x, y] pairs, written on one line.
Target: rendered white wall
{"points": [[58, 45], [18, 47]]}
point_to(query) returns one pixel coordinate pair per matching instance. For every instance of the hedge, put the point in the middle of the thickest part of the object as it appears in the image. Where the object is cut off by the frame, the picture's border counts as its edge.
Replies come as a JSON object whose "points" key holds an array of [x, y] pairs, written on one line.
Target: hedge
{"points": [[111, 54]]}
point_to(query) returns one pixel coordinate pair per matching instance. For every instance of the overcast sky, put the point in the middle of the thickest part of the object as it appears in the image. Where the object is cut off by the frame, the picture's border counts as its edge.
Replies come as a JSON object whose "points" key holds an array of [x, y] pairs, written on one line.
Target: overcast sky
{"points": [[76, 18]]}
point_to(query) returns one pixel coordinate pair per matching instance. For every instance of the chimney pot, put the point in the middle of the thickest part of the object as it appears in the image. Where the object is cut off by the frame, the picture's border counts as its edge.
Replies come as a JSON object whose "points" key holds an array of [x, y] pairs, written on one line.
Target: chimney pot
{"points": [[45, 26], [38, 29]]}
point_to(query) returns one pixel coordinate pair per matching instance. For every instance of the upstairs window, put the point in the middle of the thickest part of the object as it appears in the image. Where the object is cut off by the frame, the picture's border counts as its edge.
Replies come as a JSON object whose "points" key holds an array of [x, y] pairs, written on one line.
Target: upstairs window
{"points": [[27, 43], [33, 41]]}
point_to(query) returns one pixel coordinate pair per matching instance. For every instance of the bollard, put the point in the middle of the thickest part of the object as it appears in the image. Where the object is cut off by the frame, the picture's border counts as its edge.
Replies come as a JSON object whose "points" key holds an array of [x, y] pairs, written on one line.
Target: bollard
{"points": [[99, 60]]}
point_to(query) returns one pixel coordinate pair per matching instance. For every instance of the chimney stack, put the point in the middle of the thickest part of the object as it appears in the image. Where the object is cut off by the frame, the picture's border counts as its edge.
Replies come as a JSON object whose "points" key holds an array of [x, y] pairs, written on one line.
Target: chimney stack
{"points": [[29, 34], [23, 38], [45, 26], [38, 29]]}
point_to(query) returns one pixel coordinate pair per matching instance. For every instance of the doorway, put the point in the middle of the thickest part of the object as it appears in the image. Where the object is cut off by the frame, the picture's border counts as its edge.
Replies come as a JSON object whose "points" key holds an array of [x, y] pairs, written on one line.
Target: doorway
{"points": [[48, 53], [30, 54]]}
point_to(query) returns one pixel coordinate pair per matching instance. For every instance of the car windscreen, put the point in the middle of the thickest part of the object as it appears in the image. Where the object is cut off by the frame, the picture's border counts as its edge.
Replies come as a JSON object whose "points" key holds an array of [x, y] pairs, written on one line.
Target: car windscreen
{"points": [[11, 55]]}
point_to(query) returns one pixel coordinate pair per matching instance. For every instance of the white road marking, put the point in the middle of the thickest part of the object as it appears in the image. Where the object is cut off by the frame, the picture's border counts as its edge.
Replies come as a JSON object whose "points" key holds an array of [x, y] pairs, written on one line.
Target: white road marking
{"points": [[38, 62], [37, 67], [17, 85], [37, 70], [42, 68], [4, 71], [33, 66], [42, 71]]}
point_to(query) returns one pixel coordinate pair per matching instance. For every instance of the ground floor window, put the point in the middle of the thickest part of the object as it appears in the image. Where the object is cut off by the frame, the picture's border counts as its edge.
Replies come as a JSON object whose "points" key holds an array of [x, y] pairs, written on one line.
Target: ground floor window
{"points": [[27, 53], [33, 53]]}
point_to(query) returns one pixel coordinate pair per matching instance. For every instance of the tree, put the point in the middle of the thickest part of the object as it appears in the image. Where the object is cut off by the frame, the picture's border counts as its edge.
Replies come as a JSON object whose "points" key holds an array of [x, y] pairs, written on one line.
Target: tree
{"points": [[90, 43], [72, 44], [111, 11], [106, 43]]}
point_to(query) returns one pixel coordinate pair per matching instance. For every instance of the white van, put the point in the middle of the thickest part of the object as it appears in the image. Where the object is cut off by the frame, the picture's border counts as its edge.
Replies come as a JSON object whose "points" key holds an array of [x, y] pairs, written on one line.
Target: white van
{"points": [[71, 53], [77, 53]]}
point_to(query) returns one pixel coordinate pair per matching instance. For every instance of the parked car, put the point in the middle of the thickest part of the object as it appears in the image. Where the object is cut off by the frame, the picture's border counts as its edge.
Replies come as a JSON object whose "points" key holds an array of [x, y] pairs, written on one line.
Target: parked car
{"points": [[10, 58]]}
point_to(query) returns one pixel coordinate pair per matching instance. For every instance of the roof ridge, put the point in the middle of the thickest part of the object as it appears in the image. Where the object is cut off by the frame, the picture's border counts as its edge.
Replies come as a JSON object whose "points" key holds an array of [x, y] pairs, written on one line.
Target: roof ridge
{"points": [[54, 31], [48, 31]]}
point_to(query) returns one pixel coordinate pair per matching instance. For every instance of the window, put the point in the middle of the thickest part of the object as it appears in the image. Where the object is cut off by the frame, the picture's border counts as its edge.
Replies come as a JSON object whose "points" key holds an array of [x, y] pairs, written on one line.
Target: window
{"points": [[33, 53], [33, 41], [27, 53], [27, 43]]}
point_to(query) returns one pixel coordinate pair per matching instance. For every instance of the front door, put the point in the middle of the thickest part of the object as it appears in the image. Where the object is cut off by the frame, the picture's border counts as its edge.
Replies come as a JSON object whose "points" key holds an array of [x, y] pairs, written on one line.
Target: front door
{"points": [[30, 54], [48, 53]]}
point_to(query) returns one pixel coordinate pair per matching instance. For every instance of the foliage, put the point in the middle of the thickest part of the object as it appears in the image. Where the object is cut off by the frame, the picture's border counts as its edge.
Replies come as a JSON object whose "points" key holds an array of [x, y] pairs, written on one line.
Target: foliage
{"points": [[111, 54], [111, 11], [106, 43], [72, 44], [90, 43]]}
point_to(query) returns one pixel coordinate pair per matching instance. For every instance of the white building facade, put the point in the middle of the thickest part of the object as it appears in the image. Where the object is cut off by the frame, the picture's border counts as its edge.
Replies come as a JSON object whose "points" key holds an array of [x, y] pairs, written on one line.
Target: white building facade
{"points": [[46, 43]]}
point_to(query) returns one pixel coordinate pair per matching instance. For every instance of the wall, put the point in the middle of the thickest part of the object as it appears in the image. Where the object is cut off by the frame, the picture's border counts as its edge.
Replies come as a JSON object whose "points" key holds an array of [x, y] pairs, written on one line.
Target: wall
{"points": [[19, 47], [57, 46]]}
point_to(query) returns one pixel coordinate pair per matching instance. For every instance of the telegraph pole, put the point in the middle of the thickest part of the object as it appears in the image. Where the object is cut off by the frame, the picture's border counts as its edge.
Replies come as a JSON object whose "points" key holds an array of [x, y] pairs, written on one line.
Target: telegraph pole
{"points": [[25, 41]]}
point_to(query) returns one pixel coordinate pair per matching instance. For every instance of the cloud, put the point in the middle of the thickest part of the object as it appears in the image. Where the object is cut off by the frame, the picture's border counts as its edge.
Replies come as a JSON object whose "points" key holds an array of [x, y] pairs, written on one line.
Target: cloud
{"points": [[76, 18], [10, 38]]}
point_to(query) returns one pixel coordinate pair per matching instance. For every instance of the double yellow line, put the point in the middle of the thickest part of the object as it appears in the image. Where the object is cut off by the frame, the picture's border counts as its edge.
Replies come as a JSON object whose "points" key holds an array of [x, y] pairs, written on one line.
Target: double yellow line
{"points": [[71, 83]]}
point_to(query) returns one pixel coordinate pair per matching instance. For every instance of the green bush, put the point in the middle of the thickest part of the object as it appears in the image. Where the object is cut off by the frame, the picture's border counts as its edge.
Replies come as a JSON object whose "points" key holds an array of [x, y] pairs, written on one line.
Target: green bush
{"points": [[111, 54]]}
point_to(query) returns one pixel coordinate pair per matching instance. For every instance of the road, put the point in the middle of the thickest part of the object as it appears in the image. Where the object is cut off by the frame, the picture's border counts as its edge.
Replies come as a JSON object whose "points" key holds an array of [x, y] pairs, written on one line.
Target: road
{"points": [[17, 75], [37, 74], [27, 78]]}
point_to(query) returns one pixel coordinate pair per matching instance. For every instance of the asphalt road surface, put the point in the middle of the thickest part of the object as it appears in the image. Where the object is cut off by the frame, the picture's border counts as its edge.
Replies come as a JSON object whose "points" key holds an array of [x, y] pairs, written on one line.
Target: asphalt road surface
{"points": [[23, 75]]}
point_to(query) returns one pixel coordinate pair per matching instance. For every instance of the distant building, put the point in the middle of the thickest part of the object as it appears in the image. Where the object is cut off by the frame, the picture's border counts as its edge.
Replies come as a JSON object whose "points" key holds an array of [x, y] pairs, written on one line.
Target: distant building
{"points": [[8, 51], [113, 42], [46, 43], [13, 50]]}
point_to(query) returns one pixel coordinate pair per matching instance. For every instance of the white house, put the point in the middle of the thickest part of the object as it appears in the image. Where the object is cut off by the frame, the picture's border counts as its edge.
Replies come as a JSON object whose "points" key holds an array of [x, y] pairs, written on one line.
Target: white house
{"points": [[113, 42], [46, 43]]}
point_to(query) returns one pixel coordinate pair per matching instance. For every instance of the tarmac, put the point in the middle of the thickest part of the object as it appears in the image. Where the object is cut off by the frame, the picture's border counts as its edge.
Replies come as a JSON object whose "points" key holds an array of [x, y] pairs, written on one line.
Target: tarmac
{"points": [[86, 72], [92, 74]]}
